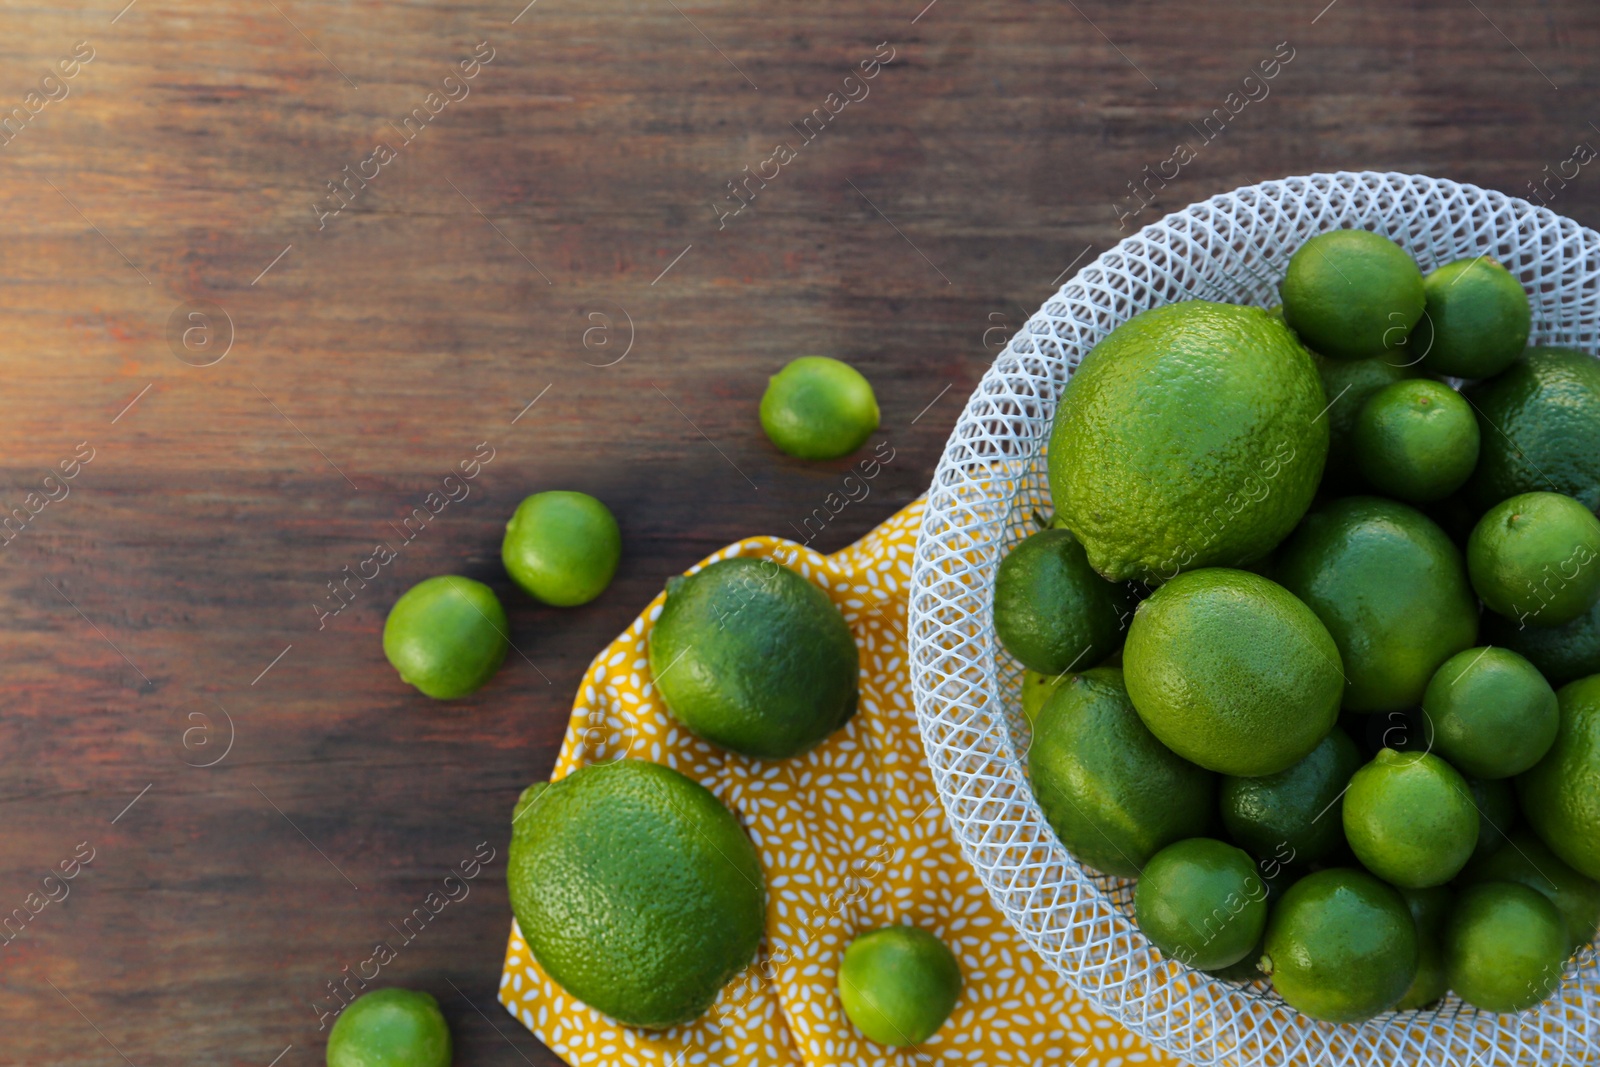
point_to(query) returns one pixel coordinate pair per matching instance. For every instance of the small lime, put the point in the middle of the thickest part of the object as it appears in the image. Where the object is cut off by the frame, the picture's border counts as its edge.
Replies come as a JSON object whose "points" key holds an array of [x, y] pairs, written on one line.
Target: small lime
{"points": [[447, 636], [390, 1028], [562, 547], [1349, 384], [1410, 818], [1492, 712], [1352, 294], [1416, 440], [898, 984], [819, 408], [1540, 422], [1504, 945], [1529, 861], [1037, 689], [1535, 558], [1429, 908], [1560, 794], [1201, 902], [1496, 800], [1341, 946], [1052, 611], [1476, 322], [1293, 816]]}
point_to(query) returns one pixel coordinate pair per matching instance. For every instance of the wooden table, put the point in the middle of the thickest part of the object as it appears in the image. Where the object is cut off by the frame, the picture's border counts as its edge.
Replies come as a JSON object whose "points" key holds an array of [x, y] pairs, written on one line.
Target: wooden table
{"points": [[544, 264]]}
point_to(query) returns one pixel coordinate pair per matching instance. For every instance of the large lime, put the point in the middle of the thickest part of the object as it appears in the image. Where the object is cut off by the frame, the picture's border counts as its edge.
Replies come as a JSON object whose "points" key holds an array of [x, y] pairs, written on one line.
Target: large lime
{"points": [[1493, 714], [1188, 437], [1535, 558], [1561, 794], [562, 547], [1410, 819], [898, 984], [1293, 816], [1504, 945], [447, 636], [1476, 322], [636, 890], [751, 656], [1052, 611], [1231, 672], [1416, 440], [390, 1028], [1201, 902], [1540, 422], [1529, 861], [818, 408], [1352, 294]]}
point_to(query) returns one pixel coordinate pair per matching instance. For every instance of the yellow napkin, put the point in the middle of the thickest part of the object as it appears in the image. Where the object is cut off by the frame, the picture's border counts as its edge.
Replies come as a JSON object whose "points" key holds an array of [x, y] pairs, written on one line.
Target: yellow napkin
{"points": [[851, 837]]}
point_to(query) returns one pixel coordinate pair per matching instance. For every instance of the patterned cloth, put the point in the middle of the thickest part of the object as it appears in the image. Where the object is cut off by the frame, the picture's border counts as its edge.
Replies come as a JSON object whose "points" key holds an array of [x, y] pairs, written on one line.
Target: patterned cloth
{"points": [[851, 837]]}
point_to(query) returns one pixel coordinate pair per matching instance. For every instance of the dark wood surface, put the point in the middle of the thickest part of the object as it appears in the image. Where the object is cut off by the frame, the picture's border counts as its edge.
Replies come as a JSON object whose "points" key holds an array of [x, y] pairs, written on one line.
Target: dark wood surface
{"points": [[909, 237]]}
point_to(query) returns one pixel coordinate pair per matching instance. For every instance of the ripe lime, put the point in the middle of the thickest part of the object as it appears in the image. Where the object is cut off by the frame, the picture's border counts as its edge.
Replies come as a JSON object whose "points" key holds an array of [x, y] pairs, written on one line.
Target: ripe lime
{"points": [[1562, 653], [1535, 558], [562, 547], [447, 636], [1341, 946], [751, 656], [818, 408], [1476, 322], [1391, 589], [1188, 437], [390, 1028], [636, 890], [1293, 816], [1410, 819], [1416, 440], [1352, 294], [1114, 795], [1493, 714], [1052, 611], [1528, 861], [1231, 672], [1540, 422], [1348, 384], [1201, 902], [1504, 945], [898, 984], [1560, 795], [1429, 909]]}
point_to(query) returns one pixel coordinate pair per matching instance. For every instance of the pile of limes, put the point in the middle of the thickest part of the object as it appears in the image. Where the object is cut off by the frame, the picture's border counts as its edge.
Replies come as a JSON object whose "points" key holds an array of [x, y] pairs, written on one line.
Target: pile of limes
{"points": [[1296, 524]]}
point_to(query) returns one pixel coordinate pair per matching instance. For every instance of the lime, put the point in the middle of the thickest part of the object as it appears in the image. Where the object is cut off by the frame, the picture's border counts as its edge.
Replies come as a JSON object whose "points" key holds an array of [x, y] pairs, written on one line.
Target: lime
{"points": [[1188, 437], [562, 547], [1201, 902], [818, 408], [1540, 422], [636, 890], [1352, 294], [1496, 801], [1476, 322], [1293, 816], [898, 984], [390, 1028], [1532, 558], [751, 656], [1231, 672], [1416, 440], [1410, 819], [1051, 610], [1036, 689], [1528, 861], [1504, 946], [1348, 384], [1391, 589], [1560, 795], [1493, 714], [1341, 946], [447, 636], [1429, 908], [1562, 653], [1114, 795]]}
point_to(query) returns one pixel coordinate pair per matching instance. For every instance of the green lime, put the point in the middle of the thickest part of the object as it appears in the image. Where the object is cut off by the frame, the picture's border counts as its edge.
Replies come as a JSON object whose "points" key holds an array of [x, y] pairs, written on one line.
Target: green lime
{"points": [[1114, 795], [1348, 384], [1429, 908], [1189, 437], [898, 984], [1391, 589], [1293, 816], [1037, 689], [818, 408], [751, 656], [1496, 801], [1493, 714], [1560, 795], [1540, 422], [390, 1028], [1410, 819], [562, 547], [1231, 672], [1416, 440], [1052, 611], [1201, 902], [1504, 946], [1341, 946], [1532, 556], [447, 636], [1562, 653], [1352, 294], [636, 890], [1476, 322], [1529, 861]]}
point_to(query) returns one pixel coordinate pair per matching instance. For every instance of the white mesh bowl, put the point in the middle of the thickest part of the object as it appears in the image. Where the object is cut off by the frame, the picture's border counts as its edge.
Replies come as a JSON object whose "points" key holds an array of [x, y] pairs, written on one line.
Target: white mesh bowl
{"points": [[987, 488]]}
